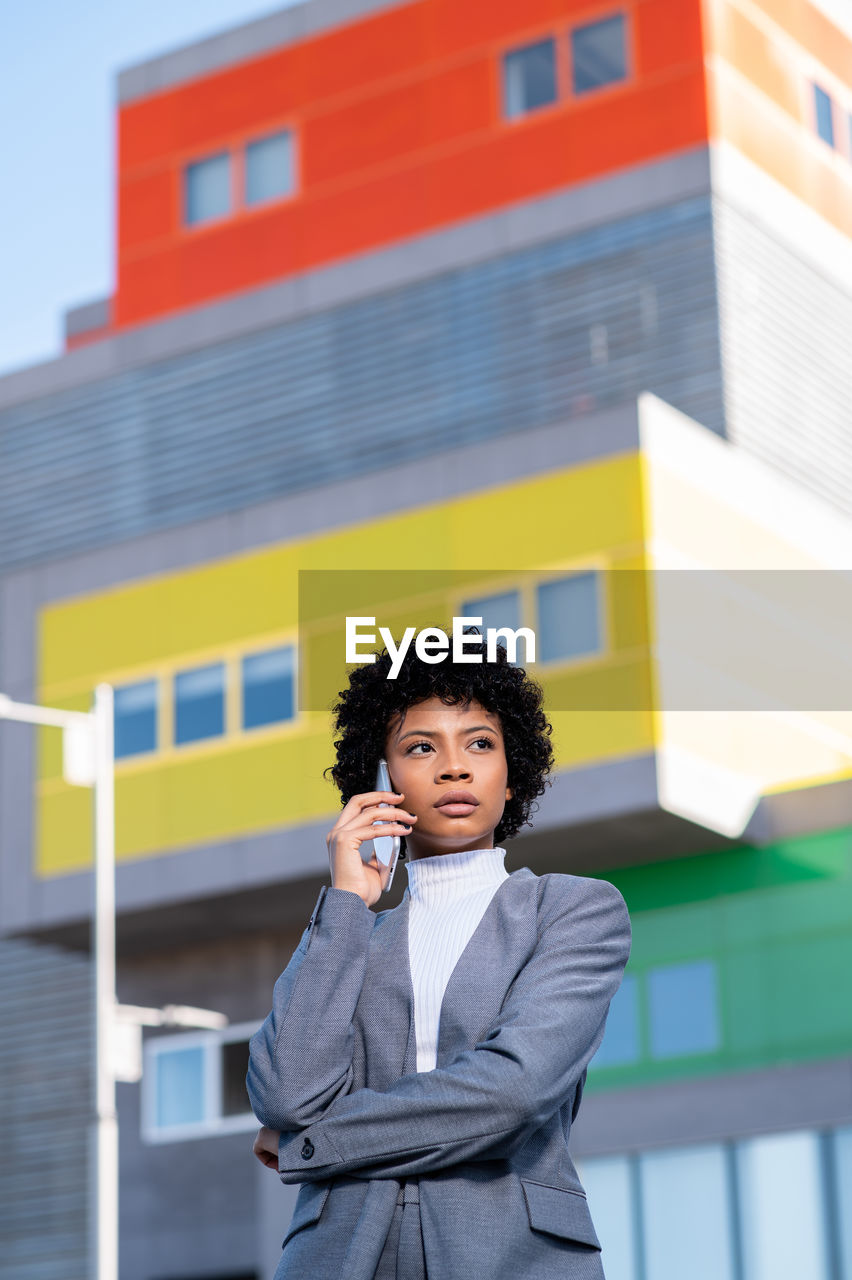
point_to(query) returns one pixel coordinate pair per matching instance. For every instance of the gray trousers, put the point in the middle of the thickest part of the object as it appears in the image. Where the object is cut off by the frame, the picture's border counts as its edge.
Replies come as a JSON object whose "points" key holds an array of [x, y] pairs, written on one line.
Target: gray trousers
{"points": [[402, 1257]]}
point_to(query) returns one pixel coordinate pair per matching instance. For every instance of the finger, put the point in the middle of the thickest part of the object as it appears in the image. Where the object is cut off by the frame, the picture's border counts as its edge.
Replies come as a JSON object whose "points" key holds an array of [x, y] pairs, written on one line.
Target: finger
{"points": [[365, 798], [377, 814]]}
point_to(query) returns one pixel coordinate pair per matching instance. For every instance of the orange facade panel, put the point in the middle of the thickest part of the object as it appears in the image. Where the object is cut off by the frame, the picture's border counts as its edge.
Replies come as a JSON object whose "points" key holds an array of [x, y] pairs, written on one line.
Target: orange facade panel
{"points": [[813, 31], [760, 97], [399, 129], [796, 159]]}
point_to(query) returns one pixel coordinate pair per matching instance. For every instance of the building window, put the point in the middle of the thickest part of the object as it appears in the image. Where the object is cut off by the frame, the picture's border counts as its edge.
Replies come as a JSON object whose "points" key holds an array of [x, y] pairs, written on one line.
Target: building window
{"points": [[268, 687], [762, 1208], [135, 718], [824, 115], [684, 1196], [503, 609], [208, 189], [621, 1037], [842, 1143], [269, 168], [683, 1009], [568, 617], [610, 1187], [200, 703], [235, 1064], [598, 54], [529, 78], [782, 1208], [194, 1083], [179, 1087]]}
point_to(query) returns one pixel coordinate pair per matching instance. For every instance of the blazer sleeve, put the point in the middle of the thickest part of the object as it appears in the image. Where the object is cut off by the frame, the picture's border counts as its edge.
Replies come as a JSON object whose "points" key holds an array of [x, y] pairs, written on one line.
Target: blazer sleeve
{"points": [[489, 1100], [292, 1077]]}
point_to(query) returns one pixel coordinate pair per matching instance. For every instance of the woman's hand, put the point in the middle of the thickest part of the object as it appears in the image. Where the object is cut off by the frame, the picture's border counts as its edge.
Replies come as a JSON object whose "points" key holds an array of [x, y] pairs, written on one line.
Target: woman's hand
{"points": [[265, 1147], [352, 828]]}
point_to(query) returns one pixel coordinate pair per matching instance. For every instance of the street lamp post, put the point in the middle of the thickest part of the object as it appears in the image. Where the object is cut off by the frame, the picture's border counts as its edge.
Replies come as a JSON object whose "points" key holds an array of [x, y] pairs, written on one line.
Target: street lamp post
{"points": [[88, 760]]}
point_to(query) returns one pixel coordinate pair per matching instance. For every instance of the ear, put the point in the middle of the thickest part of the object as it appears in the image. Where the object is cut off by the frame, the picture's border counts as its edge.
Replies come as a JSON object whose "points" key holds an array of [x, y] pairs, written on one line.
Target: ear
{"points": [[509, 793]]}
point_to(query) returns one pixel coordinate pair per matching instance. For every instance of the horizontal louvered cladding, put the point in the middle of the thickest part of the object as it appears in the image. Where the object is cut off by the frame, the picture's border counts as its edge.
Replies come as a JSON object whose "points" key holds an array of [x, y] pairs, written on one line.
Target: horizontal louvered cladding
{"points": [[539, 335], [786, 335], [46, 1063]]}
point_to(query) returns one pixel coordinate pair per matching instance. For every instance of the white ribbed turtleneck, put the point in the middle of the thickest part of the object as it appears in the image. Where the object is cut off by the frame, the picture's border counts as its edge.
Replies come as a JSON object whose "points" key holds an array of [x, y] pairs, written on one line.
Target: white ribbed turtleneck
{"points": [[449, 893]]}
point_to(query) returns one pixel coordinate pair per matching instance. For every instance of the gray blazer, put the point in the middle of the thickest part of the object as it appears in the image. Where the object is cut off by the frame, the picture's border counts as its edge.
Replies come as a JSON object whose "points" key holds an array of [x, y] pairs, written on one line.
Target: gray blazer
{"points": [[486, 1132]]}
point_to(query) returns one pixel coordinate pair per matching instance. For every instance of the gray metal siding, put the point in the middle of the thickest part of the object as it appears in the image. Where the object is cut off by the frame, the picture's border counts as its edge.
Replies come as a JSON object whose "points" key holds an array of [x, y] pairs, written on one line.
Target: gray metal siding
{"points": [[535, 336], [786, 337], [46, 1053]]}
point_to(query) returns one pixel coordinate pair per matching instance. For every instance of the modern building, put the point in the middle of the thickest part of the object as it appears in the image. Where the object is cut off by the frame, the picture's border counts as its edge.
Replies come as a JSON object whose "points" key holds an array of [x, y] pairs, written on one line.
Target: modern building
{"points": [[546, 310]]}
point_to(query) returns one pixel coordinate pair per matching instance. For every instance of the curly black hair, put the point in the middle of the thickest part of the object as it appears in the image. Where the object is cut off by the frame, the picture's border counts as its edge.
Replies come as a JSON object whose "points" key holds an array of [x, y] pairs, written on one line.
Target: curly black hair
{"points": [[366, 709]]}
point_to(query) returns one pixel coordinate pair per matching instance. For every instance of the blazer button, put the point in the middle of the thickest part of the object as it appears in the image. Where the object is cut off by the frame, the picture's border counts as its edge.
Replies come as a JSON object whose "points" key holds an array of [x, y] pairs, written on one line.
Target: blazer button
{"points": [[307, 1149]]}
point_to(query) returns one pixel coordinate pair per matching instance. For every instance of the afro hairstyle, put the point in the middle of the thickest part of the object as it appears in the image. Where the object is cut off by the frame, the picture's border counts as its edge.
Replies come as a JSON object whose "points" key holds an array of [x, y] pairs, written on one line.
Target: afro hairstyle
{"points": [[366, 709]]}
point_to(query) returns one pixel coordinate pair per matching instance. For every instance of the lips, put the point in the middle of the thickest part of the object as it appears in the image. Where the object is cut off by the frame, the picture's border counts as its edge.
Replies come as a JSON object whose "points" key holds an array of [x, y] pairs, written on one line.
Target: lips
{"points": [[460, 801]]}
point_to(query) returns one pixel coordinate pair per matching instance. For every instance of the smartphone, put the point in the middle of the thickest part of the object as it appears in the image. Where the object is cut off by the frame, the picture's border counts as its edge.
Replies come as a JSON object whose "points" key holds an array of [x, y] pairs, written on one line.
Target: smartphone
{"points": [[386, 848]]}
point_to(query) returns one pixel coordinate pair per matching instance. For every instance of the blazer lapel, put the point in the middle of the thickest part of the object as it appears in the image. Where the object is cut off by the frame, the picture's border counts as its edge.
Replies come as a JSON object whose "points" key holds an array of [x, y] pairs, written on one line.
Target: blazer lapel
{"points": [[495, 951], [388, 1000]]}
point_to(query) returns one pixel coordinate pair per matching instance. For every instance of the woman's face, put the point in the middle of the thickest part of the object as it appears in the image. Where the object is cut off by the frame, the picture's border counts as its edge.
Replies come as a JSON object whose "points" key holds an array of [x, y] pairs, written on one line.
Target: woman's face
{"points": [[434, 749]]}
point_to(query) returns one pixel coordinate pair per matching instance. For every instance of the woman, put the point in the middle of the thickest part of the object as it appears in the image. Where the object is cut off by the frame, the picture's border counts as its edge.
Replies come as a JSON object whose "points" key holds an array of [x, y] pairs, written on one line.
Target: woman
{"points": [[422, 1066]]}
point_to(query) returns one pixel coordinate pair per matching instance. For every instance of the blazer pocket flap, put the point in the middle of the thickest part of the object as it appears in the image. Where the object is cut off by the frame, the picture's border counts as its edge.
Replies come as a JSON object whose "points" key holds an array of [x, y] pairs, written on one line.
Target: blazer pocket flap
{"points": [[310, 1203], [560, 1212]]}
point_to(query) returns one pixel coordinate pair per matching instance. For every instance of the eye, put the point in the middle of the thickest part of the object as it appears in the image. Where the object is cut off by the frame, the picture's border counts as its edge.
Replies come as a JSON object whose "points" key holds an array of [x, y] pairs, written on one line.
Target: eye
{"points": [[488, 741], [410, 750]]}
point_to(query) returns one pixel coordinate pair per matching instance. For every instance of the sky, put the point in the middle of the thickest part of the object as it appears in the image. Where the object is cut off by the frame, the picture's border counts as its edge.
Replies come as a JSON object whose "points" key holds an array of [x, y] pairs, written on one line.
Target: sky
{"points": [[58, 66]]}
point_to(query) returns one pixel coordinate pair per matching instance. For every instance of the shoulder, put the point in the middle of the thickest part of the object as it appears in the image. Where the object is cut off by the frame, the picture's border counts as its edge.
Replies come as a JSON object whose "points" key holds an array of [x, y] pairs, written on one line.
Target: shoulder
{"points": [[580, 898], [561, 887]]}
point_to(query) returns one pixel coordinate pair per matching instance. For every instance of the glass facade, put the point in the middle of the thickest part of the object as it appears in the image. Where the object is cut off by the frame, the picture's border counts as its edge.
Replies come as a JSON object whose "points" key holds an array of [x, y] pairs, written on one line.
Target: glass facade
{"points": [[598, 54], [761, 1208], [135, 718], [684, 1200], [207, 191], [269, 168], [529, 78], [781, 1193]]}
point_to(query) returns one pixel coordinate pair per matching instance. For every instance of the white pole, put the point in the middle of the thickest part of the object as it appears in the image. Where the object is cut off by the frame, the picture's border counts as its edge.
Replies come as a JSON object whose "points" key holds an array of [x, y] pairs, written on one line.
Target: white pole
{"points": [[106, 1121]]}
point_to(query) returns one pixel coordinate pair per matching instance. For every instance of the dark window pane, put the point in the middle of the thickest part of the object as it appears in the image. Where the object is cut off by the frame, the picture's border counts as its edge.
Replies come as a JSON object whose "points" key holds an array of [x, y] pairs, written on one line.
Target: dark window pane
{"points": [[598, 54], [200, 703], [208, 188], [568, 611], [529, 78], [235, 1059], [268, 687], [269, 168], [824, 121], [135, 712]]}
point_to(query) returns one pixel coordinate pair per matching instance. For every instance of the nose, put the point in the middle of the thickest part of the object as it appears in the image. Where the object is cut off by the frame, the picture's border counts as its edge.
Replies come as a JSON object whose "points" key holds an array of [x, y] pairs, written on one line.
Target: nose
{"points": [[455, 771]]}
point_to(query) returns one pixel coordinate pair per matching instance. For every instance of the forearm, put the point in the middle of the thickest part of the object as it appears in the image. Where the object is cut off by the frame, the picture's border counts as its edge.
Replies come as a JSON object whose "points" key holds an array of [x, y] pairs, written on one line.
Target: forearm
{"points": [[300, 1059], [419, 1126], [489, 1101]]}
